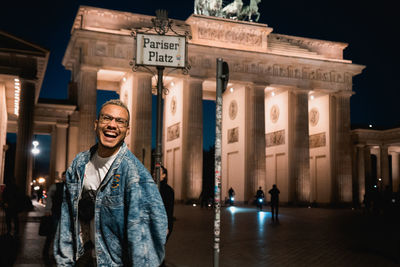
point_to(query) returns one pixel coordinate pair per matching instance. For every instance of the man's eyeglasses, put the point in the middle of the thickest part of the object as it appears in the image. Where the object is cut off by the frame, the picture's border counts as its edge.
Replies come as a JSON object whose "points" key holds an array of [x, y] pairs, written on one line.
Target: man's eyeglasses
{"points": [[105, 119]]}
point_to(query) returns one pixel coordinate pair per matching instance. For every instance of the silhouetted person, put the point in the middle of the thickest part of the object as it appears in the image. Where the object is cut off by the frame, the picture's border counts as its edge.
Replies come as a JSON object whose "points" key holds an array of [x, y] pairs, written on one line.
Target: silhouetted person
{"points": [[231, 194], [274, 192], [168, 197], [53, 209], [13, 204], [260, 196]]}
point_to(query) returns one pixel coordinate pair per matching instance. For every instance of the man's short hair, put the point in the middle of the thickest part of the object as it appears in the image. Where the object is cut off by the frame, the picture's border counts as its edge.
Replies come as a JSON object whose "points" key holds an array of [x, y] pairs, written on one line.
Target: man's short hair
{"points": [[116, 102]]}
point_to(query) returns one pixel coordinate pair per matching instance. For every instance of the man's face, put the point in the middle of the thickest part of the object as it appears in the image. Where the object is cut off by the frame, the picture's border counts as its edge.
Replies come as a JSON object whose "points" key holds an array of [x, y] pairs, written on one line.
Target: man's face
{"points": [[111, 129]]}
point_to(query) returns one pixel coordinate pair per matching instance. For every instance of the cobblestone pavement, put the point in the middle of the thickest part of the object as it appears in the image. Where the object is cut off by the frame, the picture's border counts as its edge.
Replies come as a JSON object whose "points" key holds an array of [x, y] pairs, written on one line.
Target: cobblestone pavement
{"points": [[303, 237]]}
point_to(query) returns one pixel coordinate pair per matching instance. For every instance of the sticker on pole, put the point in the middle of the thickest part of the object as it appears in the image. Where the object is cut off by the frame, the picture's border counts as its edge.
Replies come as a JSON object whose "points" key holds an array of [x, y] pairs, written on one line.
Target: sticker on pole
{"points": [[160, 50]]}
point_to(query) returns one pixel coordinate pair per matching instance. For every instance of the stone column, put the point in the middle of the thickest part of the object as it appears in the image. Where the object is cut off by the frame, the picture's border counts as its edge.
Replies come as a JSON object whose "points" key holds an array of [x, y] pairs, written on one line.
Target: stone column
{"points": [[192, 138], [299, 152], [59, 146], [367, 169], [359, 188], [342, 149], [53, 156], [395, 171], [140, 104], [384, 159], [73, 137], [87, 99], [24, 135], [255, 140]]}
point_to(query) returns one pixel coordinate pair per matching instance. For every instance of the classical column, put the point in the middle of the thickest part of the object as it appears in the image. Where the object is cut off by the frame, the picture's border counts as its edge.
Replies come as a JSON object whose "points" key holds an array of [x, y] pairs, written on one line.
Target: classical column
{"points": [[367, 169], [299, 151], [342, 149], [87, 96], [255, 140], [192, 138], [3, 130], [58, 151], [73, 137], [384, 159], [395, 171], [139, 102], [53, 156], [24, 135], [359, 188]]}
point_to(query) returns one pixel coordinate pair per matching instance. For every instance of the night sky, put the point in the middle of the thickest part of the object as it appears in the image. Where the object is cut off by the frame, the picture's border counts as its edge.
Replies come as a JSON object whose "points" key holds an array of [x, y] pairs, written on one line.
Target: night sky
{"points": [[369, 27]]}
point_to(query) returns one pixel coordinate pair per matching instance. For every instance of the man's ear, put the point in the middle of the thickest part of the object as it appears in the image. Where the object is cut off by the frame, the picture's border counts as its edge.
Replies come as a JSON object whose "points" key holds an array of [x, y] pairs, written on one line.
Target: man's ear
{"points": [[95, 124]]}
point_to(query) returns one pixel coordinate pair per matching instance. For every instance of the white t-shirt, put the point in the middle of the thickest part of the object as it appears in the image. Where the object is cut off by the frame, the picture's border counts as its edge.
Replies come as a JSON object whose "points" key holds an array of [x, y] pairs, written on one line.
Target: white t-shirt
{"points": [[95, 171]]}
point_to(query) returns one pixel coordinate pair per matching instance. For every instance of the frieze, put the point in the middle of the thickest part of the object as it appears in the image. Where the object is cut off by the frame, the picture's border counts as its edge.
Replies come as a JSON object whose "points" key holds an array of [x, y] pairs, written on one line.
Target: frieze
{"points": [[275, 138], [317, 140], [278, 70], [236, 35], [173, 132], [233, 135]]}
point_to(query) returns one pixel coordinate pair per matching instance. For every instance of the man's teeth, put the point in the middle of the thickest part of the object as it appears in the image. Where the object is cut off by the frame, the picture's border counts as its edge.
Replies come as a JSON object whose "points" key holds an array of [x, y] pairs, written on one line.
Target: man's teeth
{"points": [[110, 134]]}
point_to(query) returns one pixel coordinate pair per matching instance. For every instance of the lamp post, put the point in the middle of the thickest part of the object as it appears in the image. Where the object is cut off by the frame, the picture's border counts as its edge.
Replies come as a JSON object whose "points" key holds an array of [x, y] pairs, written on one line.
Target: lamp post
{"points": [[35, 151]]}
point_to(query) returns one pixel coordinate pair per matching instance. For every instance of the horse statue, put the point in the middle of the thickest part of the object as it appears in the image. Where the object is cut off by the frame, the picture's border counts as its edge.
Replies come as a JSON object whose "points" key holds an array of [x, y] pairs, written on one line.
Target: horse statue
{"points": [[208, 7], [250, 10], [232, 10]]}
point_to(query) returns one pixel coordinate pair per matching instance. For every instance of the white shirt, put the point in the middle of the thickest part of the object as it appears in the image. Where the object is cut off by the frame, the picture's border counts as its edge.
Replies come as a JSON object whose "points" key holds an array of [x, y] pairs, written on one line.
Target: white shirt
{"points": [[95, 171]]}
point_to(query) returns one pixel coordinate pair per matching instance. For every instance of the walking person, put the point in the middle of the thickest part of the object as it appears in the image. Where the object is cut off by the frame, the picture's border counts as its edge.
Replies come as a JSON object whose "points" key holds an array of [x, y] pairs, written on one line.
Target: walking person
{"points": [[260, 198], [112, 213], [168, 197], [231, 194], [13, 204], [53, 209], [274, 192]]}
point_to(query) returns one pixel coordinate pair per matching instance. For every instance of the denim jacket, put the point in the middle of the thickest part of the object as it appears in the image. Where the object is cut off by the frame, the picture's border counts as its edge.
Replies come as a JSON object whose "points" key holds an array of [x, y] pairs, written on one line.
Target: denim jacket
{"points": [[130, 219]]}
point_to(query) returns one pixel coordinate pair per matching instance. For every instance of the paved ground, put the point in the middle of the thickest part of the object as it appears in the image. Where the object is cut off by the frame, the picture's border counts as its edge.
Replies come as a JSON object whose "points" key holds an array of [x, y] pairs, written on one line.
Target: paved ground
{"points": [[303, 237]]}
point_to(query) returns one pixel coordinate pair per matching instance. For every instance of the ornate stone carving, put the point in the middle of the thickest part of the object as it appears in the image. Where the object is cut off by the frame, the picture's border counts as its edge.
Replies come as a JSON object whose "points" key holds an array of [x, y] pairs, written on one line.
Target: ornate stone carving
{"points": [[233, 135], [233, 109], [318, 140], [216, 32], [313, 116], [274, 113], [172, 106], [173, 132], [278, 70], [275, 138]]}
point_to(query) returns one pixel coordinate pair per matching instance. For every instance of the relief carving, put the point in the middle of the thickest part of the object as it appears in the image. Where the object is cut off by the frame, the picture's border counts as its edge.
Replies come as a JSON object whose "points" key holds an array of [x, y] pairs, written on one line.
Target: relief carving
{"points": [[215, 32], [318, 140], [278, 70], [275, 138], [173, 132], [233, 135]]}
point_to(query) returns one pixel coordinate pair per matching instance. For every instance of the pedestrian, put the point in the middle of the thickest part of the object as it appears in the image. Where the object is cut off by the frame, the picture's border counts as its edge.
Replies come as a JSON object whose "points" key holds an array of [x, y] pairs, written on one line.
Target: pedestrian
{"points": [[53, 209], [260, 197], [274, 192], [231, 194], [112, 213], [168, 197], [13, 200]]}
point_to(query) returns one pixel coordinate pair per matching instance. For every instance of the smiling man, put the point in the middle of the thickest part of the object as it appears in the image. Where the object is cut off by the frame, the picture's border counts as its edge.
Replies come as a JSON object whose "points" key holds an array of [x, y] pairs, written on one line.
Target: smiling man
{"points": [[112, 213]]}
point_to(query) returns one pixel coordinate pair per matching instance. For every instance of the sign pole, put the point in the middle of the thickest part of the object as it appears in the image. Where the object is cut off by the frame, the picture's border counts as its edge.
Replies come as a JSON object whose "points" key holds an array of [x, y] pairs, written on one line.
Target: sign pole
{"points": [[157, 154], [222, 81]]}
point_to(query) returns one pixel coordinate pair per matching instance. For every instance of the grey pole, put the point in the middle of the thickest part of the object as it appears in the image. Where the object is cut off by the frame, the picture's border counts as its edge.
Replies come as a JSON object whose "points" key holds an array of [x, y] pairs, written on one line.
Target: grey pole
{"points": [[157, 154], [217, 187]]}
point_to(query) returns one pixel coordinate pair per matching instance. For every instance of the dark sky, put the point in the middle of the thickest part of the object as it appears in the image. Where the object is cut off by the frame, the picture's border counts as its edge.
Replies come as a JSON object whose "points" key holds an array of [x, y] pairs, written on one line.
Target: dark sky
{"points": [[367, 26]]}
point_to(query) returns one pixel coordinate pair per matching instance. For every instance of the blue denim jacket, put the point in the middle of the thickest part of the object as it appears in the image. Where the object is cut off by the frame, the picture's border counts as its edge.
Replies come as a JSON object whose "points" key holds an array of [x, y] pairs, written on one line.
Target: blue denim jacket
{"points": [[130, 219]]}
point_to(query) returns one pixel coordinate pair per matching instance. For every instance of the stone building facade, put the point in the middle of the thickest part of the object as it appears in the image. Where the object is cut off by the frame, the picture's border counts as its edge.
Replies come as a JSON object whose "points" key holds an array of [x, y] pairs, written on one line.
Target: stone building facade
{"points": [[286, 111]]}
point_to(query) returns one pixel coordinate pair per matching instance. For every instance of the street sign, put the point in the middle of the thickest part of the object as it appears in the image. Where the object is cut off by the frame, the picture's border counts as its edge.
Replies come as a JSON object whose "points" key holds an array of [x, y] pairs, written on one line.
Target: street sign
{"points": [[160, 50]]}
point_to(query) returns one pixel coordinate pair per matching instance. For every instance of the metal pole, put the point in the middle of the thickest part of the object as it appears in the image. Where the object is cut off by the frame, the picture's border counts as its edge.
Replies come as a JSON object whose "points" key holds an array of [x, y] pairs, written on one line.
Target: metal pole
{"points": [[217, 187], [157, 154]]}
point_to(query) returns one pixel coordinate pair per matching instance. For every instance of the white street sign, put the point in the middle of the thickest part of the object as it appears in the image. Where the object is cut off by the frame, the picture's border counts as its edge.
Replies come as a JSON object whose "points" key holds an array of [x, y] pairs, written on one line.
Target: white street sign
{"points": [[160, 50]]}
